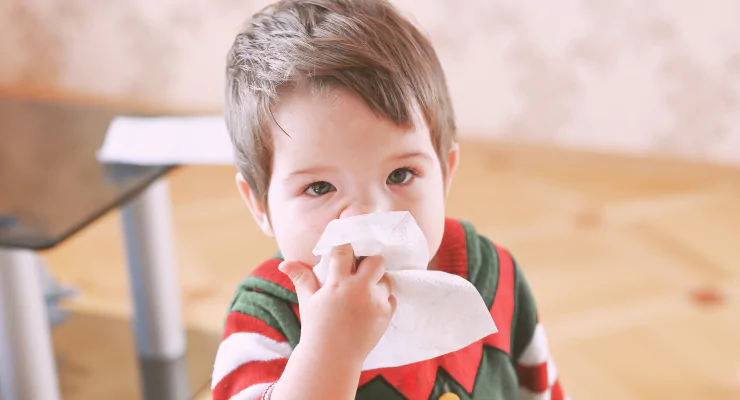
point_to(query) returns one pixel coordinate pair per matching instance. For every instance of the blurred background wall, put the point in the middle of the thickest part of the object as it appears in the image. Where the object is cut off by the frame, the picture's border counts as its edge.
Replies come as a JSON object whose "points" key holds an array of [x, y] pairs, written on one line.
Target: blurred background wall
{"points": [[651, 76]]}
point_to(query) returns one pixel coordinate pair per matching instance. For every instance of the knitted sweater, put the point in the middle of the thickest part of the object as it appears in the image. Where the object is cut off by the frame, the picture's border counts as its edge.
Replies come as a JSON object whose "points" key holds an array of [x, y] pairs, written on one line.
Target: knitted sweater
{"points": [[263, 327]]}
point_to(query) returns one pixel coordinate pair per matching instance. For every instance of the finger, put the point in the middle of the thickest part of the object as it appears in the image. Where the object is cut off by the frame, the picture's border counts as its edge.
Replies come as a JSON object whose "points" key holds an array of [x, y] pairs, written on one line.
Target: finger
{"points": [[341, 263], [371, 269], [303, 278]]}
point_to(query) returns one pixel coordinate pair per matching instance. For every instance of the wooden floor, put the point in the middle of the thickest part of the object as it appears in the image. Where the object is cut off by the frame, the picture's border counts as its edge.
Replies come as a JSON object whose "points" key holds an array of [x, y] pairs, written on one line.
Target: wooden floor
{"points": [[635, 264]]}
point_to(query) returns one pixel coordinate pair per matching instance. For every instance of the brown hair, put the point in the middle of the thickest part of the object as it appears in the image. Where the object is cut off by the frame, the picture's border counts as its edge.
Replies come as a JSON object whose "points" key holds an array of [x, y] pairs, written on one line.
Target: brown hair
{"points": [[363, 45]]}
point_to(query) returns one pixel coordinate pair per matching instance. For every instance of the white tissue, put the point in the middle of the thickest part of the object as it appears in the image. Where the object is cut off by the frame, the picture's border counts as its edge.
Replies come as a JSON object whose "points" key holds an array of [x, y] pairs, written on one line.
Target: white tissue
{"points": [[437, 312]]}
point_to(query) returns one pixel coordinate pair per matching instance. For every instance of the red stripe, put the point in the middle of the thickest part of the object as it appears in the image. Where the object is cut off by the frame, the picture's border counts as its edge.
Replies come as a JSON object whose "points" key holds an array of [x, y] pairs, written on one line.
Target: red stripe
{"points": [[452, 255], [533, 378], [247, 375], [269, 271], [557, 392], [502, 310], [239, 322]]}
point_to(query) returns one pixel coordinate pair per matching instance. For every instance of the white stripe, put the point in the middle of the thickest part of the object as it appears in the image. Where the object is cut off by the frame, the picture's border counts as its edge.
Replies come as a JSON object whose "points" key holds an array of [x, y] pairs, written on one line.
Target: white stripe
{"points": [[537, 351], [526, 394], [552, 372], [251, 393], [243, 347]]}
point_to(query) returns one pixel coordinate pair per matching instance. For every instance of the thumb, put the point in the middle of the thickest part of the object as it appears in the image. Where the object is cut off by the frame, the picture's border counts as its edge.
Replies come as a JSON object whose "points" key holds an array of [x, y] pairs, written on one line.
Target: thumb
{"points": [[393, 303], [302, 276]]}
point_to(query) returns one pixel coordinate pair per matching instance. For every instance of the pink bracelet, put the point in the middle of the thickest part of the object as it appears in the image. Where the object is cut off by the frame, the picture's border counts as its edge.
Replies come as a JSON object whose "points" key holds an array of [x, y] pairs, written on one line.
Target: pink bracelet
{"points": [[268, 392]]}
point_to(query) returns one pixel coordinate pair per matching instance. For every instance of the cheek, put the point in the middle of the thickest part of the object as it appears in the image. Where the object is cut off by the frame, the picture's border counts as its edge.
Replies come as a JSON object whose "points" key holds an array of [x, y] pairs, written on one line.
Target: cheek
{"points": [[297, 230], [428, 207], [432, 224]]}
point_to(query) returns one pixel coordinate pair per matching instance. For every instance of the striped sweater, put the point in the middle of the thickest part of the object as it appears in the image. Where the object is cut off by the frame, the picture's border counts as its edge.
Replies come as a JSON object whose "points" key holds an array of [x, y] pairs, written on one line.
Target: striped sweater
{"points": [[263, 326]]}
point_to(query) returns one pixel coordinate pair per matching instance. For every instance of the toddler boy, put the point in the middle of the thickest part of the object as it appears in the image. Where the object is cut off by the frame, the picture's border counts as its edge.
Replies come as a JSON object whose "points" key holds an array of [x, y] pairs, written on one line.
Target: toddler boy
{"points": [[339, 108]]}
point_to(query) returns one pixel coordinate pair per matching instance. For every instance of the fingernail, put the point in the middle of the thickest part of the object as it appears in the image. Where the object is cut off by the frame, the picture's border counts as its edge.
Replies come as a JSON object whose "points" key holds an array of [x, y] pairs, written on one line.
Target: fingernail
{"points": [[281, 267]]}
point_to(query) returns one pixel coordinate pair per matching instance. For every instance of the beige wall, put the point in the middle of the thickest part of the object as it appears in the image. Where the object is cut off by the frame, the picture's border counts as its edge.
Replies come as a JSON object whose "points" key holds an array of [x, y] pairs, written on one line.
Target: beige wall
{"points": [[654, 76]]}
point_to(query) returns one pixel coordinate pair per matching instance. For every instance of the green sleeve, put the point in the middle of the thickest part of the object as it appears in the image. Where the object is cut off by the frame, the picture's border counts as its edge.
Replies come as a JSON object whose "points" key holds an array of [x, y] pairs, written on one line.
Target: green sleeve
{"points": [[270, 303]]}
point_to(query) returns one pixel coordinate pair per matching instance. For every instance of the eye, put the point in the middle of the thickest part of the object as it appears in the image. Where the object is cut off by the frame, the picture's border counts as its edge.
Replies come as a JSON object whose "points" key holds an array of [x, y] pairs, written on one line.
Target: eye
{"points": [[319, 188], [401, 176]]}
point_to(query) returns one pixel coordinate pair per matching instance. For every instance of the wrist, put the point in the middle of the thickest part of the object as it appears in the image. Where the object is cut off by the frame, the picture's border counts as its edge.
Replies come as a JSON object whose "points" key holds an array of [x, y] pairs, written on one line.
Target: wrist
{"points": [[329, 354], [315, 374]]}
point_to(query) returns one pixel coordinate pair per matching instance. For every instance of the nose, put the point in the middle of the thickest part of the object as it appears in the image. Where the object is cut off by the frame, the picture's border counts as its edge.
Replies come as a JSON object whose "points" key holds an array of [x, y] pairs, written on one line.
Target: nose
{"points": [[365, 206], [356, 209]]}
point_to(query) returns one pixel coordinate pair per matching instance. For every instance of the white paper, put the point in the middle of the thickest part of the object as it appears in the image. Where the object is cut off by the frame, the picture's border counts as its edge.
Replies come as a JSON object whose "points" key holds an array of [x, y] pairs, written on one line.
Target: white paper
{"points": [[167, 140], [437, 312]]}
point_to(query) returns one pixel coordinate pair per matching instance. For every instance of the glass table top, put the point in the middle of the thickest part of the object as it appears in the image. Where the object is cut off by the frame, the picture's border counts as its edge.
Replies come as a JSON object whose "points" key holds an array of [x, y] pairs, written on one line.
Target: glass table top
{"points": [[51, 184]]}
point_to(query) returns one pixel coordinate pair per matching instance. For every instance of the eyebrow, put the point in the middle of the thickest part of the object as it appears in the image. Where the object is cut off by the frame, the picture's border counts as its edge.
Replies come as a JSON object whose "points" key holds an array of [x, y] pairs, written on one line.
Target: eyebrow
{"points": [[416, 154], [309, 171]]}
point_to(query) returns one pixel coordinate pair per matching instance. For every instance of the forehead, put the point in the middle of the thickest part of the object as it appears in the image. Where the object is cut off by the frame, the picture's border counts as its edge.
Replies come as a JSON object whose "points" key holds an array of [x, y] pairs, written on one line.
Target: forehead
{"points": [[337, 118]]}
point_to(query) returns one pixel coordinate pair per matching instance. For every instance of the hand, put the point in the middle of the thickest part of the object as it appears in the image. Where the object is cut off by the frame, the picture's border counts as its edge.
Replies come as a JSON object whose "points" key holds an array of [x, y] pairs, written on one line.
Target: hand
{"points": [[344, 319]]}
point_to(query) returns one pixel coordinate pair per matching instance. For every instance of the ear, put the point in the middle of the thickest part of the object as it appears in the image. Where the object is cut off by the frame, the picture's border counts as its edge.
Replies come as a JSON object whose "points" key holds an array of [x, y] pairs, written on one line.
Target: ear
{"points": [[254, 204], [453, 159]]}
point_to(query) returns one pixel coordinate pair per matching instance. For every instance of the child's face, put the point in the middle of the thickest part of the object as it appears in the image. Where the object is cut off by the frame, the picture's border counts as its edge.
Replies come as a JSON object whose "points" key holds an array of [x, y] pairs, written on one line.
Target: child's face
{"points": [[338, 159]]}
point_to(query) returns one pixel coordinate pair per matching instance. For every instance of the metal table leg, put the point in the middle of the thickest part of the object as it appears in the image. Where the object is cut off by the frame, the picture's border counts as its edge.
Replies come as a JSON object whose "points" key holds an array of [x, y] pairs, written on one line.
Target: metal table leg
{"points": [[159, 331], [27, 367]]}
